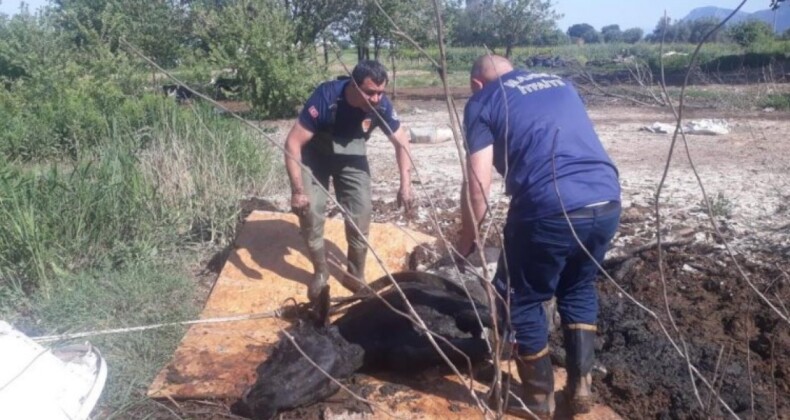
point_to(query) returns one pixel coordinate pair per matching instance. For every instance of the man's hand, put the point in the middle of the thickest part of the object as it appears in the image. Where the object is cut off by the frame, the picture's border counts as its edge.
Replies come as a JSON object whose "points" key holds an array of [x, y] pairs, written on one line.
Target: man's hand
{"points": [[300, 204], [405, 199]]}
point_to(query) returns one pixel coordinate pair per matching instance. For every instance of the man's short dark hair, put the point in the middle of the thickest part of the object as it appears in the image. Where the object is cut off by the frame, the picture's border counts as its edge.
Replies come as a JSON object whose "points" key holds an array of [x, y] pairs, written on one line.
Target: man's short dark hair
{"points": [[372, 69]]}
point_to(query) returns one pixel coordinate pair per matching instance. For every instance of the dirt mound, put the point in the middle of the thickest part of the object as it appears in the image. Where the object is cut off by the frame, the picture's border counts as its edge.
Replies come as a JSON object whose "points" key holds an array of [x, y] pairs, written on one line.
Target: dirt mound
{"points": [[737, 342]]}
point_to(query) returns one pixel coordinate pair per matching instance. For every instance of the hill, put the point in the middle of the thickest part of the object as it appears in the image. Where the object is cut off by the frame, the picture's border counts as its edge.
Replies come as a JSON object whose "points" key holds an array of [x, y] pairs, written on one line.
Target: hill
{"points": [[767, 16]]}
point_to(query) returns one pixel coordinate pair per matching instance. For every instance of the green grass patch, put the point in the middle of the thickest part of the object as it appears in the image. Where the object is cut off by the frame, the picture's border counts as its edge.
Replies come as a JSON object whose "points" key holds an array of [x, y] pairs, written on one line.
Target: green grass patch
{"points": [[145, 191], [779, 101], [109, 239], [139, 294]]}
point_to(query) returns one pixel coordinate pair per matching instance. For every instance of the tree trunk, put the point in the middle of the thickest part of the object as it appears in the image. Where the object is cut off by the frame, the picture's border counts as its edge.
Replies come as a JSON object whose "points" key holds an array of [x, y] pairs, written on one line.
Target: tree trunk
{"points": [[508, 50], [376, 47], [394, 74], [326, 53]]}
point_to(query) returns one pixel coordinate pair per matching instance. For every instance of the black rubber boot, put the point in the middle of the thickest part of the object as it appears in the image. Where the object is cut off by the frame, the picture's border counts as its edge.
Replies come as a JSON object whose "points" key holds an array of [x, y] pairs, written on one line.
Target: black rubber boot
{"points": [[537, 379], [356, 269], [580, 354], [320, 275]]}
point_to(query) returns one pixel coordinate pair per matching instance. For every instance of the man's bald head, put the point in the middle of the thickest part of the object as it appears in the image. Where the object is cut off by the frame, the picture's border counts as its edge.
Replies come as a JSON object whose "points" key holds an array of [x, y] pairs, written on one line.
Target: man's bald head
{"points": [[488, 68]]}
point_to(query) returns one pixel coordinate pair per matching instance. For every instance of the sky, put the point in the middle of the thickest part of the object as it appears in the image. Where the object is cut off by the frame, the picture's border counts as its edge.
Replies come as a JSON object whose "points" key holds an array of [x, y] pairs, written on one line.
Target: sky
{"points": [[626, 13], [638, 13], [10, 7]]}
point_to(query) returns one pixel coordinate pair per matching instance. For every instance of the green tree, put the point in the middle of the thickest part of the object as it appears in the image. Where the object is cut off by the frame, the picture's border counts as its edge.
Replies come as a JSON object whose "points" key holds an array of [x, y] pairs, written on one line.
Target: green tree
{"points": [[475, 26], [367, 25], [520, 21], [158, 28], [633, 35], [505, 23], [585, 32], [312, 17], [553, 37], [750, 33], [258, 38], [612, 33], [668, 31], [701, 27]]}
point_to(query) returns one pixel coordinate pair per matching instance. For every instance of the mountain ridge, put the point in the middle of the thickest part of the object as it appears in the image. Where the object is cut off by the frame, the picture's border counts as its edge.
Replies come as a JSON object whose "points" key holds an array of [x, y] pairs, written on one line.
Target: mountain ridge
{"points": [[767, 16]]}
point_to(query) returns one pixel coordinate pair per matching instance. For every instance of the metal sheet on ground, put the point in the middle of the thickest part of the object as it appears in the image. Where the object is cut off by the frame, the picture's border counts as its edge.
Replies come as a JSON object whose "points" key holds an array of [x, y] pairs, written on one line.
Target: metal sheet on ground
{"points": [[267, 267]]}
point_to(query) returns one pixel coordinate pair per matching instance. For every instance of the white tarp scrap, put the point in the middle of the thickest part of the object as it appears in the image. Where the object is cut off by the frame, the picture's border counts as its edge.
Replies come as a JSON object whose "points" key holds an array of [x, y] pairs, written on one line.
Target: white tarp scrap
{"points": [[430, 134], [710, 127], [41, 383]]}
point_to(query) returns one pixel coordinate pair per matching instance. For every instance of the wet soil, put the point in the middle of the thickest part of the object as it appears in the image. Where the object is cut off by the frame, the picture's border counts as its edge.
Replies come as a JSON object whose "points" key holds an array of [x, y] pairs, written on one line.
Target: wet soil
{"points": [[737, 342]]}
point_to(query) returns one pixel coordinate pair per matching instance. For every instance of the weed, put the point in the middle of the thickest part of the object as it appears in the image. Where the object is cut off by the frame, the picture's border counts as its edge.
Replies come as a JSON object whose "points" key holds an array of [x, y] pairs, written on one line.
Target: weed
{"points": [[140, 294], [777, 101], [721, 206]]}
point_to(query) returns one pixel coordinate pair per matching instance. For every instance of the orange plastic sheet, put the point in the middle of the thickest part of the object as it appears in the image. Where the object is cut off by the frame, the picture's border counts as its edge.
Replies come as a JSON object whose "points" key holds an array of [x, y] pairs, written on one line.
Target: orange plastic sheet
{"points": [[267, 267]]}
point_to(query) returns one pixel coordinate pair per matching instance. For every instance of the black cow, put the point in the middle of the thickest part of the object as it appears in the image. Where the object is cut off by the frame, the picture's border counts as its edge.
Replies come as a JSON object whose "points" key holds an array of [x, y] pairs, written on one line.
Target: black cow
{"points": [[370, 337], [181, 94]]}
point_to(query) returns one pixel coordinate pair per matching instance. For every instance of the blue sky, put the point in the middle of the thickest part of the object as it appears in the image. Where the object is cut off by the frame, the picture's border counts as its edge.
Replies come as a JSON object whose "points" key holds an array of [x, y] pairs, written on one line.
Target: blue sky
{"points": [[638, 13], [10, 7], [626, 13]]}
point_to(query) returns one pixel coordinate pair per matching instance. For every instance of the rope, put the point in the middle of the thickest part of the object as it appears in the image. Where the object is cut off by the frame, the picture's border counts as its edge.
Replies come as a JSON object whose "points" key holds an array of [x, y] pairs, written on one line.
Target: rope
{"points": [[61, 337]]}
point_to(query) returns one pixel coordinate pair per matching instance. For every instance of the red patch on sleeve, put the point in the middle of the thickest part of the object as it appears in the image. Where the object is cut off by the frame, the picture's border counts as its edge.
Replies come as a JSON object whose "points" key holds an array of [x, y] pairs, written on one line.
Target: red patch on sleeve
{"points": [[313, 112]]}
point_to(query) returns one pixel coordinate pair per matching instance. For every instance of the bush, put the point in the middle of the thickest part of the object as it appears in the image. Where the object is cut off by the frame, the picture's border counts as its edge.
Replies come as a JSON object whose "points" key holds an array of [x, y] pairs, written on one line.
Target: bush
{"points": [[776, 101], [258, 39], [750, 32]]}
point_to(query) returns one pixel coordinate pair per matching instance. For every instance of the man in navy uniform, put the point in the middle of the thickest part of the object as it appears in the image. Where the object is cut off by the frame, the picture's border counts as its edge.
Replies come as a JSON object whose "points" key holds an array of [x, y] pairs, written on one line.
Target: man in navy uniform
{"points": [[329, 139], [533, 128]]}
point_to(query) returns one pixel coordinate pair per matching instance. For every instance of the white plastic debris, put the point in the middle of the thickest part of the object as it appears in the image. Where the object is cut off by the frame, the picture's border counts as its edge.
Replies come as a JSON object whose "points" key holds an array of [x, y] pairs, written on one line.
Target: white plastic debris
{"points": [[41, 383], [710, 127], [430, 134]]}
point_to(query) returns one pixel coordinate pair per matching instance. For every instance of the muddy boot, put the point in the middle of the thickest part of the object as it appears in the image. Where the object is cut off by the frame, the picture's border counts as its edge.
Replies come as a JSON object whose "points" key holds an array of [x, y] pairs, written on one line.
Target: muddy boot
{"points": [[320, 275], [580, 353], [356, 270], [537, 378]]}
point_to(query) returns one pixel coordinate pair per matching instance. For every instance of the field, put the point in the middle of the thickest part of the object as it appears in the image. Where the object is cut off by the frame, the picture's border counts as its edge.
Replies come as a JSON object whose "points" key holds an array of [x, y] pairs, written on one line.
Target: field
{"points": [[119, 206]]}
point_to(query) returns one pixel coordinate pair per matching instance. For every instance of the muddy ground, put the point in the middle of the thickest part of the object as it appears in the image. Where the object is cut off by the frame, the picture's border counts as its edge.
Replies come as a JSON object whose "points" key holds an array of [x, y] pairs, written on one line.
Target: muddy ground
{"points": [[738, 343]]}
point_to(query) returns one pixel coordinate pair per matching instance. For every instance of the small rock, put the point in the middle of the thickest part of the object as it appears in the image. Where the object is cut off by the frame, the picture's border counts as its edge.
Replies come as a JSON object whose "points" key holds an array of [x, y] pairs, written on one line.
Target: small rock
{"points": [[689, 269]]}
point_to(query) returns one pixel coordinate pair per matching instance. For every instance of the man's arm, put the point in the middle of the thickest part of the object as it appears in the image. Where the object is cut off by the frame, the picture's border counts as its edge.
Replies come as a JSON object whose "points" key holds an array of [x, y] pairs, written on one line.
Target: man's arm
{"points": [[479, 170], [400, 139], [296, 139]]}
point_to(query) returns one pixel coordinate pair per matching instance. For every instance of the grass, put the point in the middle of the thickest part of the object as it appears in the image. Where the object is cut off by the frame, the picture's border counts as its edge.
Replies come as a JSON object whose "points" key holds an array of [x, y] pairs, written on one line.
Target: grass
{"points": [[111, 239], [139, 294], [778, 101]]}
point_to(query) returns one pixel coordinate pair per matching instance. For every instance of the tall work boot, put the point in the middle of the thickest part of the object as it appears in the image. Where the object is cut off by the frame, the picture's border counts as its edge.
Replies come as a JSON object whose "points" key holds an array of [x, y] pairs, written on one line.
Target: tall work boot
{"points": [[355, 270], [320, 274], [537, 378], [580, 353]]}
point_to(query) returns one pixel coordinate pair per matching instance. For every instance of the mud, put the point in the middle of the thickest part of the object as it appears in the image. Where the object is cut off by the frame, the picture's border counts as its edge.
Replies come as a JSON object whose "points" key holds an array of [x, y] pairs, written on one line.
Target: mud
{"points": [[737, 343]]}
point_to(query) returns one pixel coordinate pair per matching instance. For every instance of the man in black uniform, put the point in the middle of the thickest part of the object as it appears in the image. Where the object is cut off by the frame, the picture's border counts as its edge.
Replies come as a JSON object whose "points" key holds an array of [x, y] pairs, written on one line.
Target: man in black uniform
{"points": [[329, 138]]}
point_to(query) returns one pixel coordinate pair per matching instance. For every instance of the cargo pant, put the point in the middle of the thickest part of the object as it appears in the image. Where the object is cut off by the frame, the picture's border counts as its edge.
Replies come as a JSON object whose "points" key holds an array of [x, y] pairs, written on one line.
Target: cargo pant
{"points": [[543, 259], [350, 176]]}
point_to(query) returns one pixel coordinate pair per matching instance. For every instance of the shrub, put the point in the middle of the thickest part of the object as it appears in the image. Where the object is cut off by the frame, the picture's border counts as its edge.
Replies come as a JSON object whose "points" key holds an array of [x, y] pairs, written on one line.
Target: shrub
{"points": [[257, 38], [776, 101]]}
